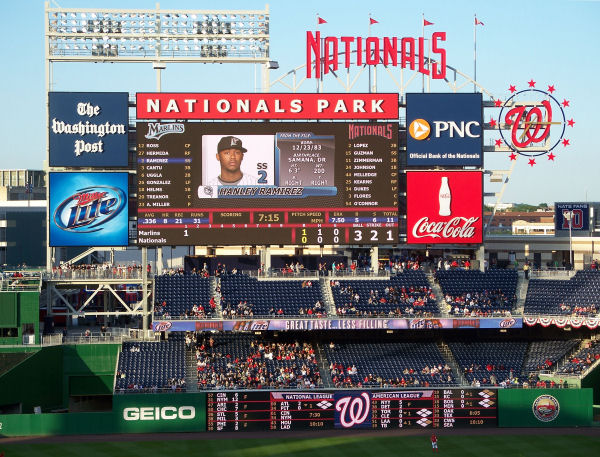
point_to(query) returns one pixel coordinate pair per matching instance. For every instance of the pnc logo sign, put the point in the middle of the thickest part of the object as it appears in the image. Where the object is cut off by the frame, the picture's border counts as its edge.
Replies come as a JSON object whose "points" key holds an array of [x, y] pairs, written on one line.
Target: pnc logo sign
{"points": [[444, 129], [420, 129]]}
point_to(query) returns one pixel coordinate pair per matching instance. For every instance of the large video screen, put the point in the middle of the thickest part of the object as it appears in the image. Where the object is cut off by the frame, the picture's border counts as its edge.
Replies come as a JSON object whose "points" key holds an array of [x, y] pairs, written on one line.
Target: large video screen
{"points": [[226, 183]]}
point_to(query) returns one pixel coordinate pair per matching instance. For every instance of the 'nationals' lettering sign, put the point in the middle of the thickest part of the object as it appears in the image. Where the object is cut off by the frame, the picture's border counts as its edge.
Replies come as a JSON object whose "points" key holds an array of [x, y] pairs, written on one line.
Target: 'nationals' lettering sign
{"points": [[252, 106], [407, 52]]}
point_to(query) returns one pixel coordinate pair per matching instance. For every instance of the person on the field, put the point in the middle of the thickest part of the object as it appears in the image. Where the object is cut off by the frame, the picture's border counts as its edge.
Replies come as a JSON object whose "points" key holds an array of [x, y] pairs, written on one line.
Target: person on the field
{"points": [[434, 444]]}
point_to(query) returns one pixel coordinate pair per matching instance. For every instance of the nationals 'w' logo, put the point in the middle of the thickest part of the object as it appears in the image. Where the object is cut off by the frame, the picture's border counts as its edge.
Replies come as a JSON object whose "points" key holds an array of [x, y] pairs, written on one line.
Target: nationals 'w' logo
{"points": [[353, 410], [532, 122]]}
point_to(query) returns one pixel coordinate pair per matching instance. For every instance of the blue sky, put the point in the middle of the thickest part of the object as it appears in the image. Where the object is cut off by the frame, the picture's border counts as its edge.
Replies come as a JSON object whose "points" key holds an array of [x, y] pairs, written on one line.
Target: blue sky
{"points": [[551, 42]]}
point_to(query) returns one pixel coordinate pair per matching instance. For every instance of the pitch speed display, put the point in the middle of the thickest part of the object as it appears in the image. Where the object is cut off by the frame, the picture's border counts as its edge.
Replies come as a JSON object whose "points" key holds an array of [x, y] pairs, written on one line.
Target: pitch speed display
{"points": [[267, 183]]}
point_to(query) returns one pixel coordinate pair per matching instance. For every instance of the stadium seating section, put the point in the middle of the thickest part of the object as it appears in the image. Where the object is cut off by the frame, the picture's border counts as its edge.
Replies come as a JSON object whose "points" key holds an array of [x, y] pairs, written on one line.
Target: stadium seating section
{"points": [[583, 359], [180, 293], [272, 297], [148, 366], [544, 355], [471, 292], [227, 361], [398, 364], [490, 362], [578, 296], [407, 293]]}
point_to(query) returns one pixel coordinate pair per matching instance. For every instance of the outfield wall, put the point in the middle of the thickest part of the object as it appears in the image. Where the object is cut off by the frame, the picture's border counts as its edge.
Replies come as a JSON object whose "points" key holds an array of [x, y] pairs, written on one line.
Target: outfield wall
{"points": [[51, 375], [545, 407], [314, 410]]}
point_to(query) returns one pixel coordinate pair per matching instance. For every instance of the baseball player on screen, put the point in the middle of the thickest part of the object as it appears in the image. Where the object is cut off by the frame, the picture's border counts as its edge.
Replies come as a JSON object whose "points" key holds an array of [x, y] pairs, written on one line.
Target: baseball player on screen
{"points": [[230, 153], [434, 444]]}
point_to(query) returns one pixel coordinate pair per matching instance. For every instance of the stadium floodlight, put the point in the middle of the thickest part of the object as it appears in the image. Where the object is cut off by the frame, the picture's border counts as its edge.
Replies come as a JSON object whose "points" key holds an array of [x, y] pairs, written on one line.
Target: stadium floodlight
{"points": [[141, 32]]}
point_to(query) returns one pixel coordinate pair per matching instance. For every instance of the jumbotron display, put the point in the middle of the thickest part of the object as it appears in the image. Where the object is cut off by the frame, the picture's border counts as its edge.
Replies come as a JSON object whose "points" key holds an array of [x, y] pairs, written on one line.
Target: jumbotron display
{"points": [[429, 408], [267, 183]]}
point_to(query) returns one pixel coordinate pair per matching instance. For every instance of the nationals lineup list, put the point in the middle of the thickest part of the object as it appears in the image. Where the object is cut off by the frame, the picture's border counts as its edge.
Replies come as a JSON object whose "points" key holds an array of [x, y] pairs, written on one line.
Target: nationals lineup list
{"points": [[433, 408], [303, 183]]}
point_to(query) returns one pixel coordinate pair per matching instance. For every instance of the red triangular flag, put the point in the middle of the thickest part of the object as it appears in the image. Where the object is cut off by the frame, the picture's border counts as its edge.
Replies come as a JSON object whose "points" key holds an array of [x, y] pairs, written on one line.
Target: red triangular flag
{"points": [[478, 22], [373, 21], [426, 22], [321, 20]]}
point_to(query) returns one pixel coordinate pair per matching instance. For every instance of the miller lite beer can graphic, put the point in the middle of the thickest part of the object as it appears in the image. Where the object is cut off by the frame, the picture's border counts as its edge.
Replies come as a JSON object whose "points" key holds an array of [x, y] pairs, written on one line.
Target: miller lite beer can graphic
{"points": [[444, 207], [445, 197]]}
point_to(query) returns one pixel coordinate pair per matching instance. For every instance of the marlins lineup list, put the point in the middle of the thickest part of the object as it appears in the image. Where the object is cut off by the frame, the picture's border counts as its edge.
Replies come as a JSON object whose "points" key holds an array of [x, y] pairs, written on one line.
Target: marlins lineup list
{"points": [[433, 408], [305, 183]]}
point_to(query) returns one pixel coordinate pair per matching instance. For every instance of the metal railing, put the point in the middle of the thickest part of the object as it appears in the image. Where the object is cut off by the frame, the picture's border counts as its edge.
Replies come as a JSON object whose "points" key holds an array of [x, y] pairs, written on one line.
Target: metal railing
{"points": [[115, 335], [95, 273], [557, 273]]}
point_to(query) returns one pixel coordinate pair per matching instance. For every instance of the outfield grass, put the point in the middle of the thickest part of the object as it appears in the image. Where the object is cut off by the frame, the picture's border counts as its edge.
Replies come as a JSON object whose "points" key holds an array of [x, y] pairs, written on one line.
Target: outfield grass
{"points": [[342, 446]]}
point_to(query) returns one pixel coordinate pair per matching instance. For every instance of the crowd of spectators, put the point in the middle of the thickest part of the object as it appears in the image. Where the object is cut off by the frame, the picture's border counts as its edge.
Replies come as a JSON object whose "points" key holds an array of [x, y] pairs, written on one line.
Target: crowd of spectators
{"points": [[262, 364], [242, 309], [578, 310], [480, 304], [349, 377], [97, 270], [317, 310], [394, 301], [583, 359]]}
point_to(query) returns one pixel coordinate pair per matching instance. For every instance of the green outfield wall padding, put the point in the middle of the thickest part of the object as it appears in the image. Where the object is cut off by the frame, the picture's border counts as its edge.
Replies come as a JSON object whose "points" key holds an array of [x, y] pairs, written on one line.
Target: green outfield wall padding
{"points": [[37, 381], [8, 310], [545, 407], [143, 413], [592, 380], [52, 374]]}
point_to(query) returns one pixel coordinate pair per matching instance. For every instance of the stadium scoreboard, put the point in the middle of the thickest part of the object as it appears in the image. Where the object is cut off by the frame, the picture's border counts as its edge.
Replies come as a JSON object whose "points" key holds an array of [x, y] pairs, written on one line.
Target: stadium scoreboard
{"points": [[301, 183], [429, 408]]}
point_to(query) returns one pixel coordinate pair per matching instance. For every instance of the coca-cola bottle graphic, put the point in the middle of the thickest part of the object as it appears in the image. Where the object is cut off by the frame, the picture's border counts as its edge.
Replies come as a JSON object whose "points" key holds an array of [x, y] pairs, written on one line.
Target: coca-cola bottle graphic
{"points": [[445, 197]]}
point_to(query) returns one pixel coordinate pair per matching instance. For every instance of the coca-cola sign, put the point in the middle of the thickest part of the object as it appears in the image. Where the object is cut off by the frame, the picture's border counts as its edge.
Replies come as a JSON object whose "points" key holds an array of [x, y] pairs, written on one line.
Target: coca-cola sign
{"points": [[444, 207]]}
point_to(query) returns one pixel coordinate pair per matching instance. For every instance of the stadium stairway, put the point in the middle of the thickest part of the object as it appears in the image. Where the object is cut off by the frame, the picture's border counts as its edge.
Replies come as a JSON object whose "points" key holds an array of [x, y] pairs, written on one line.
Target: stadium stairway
{"points": [[456, 371], [522, 285], [191, 371], [324, 367], [213, 292], [327, 295], [437, 290]]}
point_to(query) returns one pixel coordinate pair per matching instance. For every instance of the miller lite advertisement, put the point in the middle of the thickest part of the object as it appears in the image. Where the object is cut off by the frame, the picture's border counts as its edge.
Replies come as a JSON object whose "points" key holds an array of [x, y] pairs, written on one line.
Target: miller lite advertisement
{"points": [[88, 129], [444, 207], [88, 209], [444, 129]]}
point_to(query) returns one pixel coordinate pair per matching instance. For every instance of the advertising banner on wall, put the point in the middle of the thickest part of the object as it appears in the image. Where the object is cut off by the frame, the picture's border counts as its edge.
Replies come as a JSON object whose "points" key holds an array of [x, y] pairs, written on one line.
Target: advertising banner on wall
{"points": [[444, 207], [143, 413], [444, 129], [88, 209], [333, 324], [88, 129]]}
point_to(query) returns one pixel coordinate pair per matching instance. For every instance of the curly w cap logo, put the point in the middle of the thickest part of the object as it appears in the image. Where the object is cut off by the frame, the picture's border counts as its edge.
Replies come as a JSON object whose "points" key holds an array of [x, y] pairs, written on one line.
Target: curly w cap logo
{"points": [[352, 410], [419, 129]]}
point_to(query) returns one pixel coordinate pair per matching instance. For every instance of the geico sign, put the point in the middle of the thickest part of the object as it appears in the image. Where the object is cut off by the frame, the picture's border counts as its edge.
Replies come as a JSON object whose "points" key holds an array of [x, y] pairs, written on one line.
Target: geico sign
{"points": [[420, 129], [150, 413]]}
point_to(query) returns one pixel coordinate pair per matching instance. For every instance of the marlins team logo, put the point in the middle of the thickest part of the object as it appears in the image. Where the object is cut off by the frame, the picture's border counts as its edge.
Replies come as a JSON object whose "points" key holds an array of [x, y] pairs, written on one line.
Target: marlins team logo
{"points": [[532, 122], [157, 130], [419, 129], [546, 408], [89, 208]]}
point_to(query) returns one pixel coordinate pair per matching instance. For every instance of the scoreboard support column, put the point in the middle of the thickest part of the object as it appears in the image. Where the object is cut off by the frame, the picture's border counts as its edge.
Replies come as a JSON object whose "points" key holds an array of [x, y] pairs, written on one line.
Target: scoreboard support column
{"points": [[375, 258]]}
